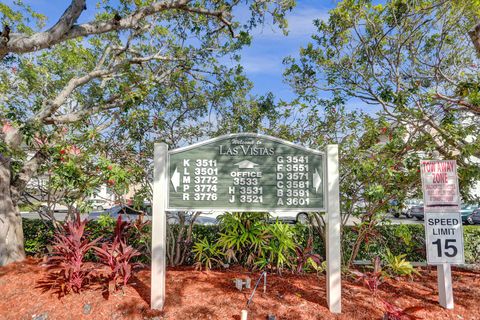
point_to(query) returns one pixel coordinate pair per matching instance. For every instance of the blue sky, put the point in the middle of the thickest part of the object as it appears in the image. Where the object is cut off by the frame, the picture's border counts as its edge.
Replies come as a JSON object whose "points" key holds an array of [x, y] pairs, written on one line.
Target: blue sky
{"points": [[262, 60]]}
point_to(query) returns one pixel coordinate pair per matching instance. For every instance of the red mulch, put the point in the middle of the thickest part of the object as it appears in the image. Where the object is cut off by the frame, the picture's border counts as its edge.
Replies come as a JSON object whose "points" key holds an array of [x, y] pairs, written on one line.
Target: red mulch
{"points": [[212, 295]]}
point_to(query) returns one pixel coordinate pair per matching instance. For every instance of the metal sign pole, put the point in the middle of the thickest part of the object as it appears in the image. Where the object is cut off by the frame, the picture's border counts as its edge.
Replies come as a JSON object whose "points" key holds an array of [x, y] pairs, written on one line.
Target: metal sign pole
{"points": [[159, 226], [334, 288]]}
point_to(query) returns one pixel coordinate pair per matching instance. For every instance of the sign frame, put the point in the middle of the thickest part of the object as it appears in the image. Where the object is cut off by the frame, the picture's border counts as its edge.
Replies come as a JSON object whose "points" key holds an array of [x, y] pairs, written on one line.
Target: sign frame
{"points": [[331, 202], [236, 209], [440, 206]]}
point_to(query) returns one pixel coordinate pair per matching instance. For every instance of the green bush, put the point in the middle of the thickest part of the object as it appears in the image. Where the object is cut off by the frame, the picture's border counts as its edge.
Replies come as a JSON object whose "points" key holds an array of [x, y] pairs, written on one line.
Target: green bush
{"points": [[471, 242], [399, 239], [37, 236]]}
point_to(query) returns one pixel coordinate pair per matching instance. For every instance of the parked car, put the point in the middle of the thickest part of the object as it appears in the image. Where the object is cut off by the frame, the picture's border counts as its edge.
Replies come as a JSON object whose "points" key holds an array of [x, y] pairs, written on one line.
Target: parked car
{"points": [[287, 217], [99, 204], [409, 204], [394, 208], [466, 210], [474, 217], [290, 217], [417, 212], [54, 207], [127, 212]]}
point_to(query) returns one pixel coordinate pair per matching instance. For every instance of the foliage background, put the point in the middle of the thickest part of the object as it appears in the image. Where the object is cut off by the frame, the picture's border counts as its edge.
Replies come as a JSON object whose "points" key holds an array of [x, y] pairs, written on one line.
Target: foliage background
{"points": [[399, 239]]}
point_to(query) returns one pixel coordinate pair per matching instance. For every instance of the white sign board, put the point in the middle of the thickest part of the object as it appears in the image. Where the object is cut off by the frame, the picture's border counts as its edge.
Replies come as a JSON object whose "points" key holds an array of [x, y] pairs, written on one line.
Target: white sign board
{"points": [[443, 222], [444, 237], [440, 183]]}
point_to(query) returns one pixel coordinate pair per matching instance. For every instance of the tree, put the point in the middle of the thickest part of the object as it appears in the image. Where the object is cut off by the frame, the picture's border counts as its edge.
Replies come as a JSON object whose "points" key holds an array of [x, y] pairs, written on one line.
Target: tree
{"points": [[89, 99], [414, 64], [378, 164], [413, 60]]}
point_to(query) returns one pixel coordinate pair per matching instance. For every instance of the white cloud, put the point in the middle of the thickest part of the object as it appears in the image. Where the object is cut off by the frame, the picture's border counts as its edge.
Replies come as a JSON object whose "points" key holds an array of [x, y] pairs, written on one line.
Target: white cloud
{"points": [[265, 64], [300, 23]]}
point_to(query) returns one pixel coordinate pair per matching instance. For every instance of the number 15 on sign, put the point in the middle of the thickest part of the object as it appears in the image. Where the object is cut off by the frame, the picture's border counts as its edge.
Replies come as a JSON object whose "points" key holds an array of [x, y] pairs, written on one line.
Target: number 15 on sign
{"points": [[444, 237]]}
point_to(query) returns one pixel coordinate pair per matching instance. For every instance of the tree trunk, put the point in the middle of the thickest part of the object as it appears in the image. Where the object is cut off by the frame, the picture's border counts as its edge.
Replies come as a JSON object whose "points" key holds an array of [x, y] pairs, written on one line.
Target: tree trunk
{"points": [[11, 231], [475, 37]]}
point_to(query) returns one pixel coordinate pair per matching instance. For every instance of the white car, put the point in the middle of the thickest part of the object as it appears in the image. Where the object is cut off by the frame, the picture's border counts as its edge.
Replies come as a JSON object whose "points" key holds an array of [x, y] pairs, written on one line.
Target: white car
{"points": [[292, 217], [284, 216], [99, 204]]}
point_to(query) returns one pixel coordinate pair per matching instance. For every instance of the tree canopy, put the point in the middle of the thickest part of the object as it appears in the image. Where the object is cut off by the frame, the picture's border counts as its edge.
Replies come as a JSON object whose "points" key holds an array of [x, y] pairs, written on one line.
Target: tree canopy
{"points": [[412, 61], [83, 103]]}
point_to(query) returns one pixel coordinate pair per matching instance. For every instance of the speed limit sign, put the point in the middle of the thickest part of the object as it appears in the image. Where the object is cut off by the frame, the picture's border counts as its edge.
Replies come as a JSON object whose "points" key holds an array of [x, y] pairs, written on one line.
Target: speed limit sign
{"points": [[443, 222], [444, 237]]}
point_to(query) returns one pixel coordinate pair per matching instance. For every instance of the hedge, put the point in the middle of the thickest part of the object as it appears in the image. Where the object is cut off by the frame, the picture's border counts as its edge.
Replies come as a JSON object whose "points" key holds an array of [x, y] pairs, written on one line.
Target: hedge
{"points": [[400, 239]]}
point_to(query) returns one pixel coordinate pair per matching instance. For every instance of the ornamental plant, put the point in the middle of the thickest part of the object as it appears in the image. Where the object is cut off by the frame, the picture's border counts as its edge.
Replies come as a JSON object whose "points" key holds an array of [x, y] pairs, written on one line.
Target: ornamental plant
{"points": [[372, 280], [207, 254], [249, 240], [118, 255], [67, 271], [306, 257]]}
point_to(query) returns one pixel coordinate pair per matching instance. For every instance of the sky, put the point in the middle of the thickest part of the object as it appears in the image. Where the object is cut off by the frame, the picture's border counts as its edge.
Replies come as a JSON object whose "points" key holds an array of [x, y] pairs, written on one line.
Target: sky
{"points": [[262, 60]]}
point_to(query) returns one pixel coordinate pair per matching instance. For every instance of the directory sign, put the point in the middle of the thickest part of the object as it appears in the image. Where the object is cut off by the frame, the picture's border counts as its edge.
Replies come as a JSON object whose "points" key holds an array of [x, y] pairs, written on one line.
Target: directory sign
{"points": [[246, 172]]}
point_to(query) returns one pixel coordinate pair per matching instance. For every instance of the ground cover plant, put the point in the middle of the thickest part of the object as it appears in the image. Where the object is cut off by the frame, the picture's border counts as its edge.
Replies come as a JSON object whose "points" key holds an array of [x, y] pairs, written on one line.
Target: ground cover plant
{"points": [[372, 280]]}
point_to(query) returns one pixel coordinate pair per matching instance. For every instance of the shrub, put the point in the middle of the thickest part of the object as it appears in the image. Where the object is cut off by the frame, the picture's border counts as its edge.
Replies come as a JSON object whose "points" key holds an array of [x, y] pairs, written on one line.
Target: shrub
{"points": [[306, 258], [471, 242], [278, 251], [66, 268], [243, 236], [396, 265], [206, 254], [117, 255], [37, 237], [249, 240], [399, 239]]}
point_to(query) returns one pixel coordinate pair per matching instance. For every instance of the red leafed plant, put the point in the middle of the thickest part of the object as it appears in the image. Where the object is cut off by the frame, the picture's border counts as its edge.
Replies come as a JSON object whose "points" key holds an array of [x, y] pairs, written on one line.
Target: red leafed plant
{"points": [[303, 254], [117, 255], [66, 269], [372, 280]]}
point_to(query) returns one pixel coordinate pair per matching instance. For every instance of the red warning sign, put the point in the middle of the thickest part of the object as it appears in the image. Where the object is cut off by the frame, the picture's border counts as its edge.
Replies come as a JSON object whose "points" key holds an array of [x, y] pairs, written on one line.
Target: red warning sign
{"points": [[440, 183]]}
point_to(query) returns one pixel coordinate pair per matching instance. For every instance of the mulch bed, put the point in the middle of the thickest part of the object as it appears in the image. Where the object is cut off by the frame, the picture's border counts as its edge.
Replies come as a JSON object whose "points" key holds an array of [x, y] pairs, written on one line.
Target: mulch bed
{"points": [[212, 295]]}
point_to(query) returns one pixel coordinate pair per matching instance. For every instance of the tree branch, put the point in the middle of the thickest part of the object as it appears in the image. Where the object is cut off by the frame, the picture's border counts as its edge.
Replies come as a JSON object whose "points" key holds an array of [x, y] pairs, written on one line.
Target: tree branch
{"points": [[44, 39], [65, 30], [29, 169], [475, 37]]}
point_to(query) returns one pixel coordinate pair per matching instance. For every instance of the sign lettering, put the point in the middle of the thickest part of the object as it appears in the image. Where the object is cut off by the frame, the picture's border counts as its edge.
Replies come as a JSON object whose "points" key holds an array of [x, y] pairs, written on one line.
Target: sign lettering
{"points": [[245, 172]]}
